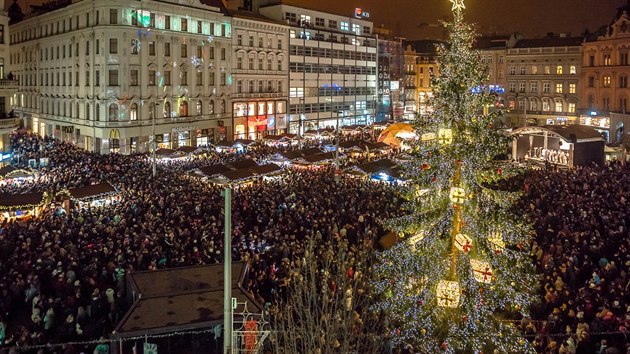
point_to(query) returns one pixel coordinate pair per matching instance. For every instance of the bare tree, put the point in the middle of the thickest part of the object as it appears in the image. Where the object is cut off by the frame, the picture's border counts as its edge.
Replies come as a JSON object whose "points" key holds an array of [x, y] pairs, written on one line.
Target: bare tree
{"points": [[324, 307]]}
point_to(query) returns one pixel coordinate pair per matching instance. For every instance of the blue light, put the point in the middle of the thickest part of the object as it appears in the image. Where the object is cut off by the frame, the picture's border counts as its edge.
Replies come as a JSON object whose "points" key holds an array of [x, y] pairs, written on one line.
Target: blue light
{"points": [[593, 113]]}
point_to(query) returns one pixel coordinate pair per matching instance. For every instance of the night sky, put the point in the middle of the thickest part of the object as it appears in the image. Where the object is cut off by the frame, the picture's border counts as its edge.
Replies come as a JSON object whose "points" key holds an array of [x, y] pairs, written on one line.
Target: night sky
{"points": [[417, 19]]}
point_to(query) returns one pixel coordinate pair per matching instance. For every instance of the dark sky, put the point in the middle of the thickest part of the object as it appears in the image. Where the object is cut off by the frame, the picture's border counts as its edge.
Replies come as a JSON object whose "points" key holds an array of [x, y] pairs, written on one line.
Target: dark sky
{"points": [[416, 19]]}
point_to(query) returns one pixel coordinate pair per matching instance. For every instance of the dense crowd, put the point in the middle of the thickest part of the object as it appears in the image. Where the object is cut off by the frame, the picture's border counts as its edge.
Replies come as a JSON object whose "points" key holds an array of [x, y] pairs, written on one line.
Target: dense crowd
{"points": [[62, 274], [582, 221]]}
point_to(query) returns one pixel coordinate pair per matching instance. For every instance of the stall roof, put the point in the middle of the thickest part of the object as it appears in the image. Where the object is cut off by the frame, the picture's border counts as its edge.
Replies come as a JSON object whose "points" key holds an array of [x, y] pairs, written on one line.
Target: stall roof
{"points": [[322, 156], [245, 142], [92, 190], [181, 298], [569, 133], [13, 201], [376, 166], [186, 149], [300, 153], [214, 169], [265, 169], [240, 164], [238, 174], [6, 170], [164, 152]]}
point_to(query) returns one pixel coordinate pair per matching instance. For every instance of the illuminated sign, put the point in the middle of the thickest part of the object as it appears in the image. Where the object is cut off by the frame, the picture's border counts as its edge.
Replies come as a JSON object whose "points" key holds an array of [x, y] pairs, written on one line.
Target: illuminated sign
{"points": [[394, 85], [359, 13]]}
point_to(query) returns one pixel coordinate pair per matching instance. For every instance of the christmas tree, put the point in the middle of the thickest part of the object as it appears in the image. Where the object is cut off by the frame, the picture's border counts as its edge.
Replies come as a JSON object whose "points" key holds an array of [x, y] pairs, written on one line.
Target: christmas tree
{"points": [[461, 270]]}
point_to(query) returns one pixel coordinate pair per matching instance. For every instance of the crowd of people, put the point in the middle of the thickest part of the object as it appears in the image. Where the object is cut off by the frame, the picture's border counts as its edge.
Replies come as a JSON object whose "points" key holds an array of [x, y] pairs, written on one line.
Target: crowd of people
{"points": [[62, 275], [582, 221]]}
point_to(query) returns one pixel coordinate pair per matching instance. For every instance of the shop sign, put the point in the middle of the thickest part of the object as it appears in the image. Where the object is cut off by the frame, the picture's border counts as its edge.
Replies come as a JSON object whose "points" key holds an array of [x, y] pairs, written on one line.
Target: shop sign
{"points": [[184, 129]]}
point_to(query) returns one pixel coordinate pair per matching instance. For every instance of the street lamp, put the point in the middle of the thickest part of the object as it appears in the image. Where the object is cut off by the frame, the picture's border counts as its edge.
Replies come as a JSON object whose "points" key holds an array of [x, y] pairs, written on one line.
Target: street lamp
{"points": [[153, 143]]}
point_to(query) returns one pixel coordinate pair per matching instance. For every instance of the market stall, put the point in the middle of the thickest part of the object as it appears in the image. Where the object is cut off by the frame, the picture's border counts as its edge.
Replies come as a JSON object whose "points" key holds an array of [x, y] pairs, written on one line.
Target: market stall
{"points": [[12, 174], [92, 196], [19, 206]]}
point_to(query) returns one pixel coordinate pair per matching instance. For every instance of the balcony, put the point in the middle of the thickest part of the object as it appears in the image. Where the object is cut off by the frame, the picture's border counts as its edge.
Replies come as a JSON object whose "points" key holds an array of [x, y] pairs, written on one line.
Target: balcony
{"points": [[9, 84], [259, 95]]}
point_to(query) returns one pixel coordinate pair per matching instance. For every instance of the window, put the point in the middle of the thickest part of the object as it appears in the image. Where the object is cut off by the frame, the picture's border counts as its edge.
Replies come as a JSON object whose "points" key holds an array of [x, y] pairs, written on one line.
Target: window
{"points": [[239, 39], [167, 49], [623, 104], [366, 29], [521, 87], [113, 16], [279, 86], [623, 58], [250, 86], [572, 88], [332, 24], [167, 110], [1, 34], [199, 78], [113, 46], [545, 105], [223, 106], [222, 53], [211, 54], [591, 60], [546, 88], [135, 46], [559, 107], [534, 70], [291, 16], [183, 109], [320, 22], [133, 78], [296, 92], [184, 50], [151, 77], [356, 29], [184, 25], [512, 87], [345, 26], [559, 88], [199, 29], [239, 62], [113, 112], [223, 79], [606, 103], [512, 70], [211, 107], [152, 48], [559, 70], [522, 70], [533, 105], [547, 70], [211, 77], [260, 64], [87, 78], [571, 107], [261, 42], [607, 60], [572, 70], [305, 20], [606, 81], [269, 64], [239, 86], [261, 86], [113, 78], [167, 78], [623, 81], [251, 40], [183, 78], [591, 81], [97, 78], [533, 87], [133, 112]]}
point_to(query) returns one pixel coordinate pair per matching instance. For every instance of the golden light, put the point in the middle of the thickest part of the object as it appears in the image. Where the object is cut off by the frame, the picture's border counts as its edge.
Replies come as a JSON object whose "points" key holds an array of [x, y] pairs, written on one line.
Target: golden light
{"points": [[448, 293], [463, 243], [482, 272], [496, 240], [457, 195], [445, 136], [428, 136]]}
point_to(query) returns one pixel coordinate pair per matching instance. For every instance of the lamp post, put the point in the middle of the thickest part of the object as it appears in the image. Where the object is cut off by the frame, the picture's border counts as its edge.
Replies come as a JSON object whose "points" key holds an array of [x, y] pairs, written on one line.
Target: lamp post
{"points": [[153, 142], [227, 273]]}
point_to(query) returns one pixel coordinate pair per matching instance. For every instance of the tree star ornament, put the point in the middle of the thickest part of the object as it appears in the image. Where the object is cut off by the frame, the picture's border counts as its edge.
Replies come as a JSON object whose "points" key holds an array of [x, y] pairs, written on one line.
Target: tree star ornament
{"points": [[458, 5]]}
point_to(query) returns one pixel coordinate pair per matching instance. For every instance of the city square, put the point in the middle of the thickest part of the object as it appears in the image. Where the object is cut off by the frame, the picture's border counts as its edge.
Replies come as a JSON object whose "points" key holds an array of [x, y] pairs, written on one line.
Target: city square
{"points": [[260, 177]]}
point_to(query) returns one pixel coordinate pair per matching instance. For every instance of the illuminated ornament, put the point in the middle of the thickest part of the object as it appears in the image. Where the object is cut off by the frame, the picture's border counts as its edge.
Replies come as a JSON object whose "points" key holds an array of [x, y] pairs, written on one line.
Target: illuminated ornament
{"points": [[445, 136], [481, 271], [416, 285], [195, 61], [496, 241], [448, 293], [428, 136], [463, 243], [210, 38], [413, 240], [457, 195], [458, 5], [135, 45], [420, 192], [425, 166]]}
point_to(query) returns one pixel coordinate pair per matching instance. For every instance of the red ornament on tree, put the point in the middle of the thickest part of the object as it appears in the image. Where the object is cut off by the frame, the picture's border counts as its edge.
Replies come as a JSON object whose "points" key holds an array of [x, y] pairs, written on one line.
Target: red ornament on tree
{"points": [[425, 166], [444, 346], [499, 171]]}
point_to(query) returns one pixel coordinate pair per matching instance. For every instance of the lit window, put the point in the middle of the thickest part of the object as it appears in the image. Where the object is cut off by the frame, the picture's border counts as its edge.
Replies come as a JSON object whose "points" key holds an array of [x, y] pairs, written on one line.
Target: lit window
{"points": [[345, 26], [559, 70], [572, 88], [558, 106], [571, 107], [572, 70], [606, 81], [559, 88]]}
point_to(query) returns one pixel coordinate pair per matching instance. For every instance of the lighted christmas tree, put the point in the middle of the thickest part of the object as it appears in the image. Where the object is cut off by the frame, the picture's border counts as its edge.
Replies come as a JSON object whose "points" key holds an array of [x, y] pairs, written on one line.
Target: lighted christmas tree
{"points": [[462, 269]]}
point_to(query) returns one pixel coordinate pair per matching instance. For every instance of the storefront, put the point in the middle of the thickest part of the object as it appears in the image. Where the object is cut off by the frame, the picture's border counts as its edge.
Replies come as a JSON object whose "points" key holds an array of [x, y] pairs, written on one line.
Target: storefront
{"points": [[599, 121], [255, 119]]}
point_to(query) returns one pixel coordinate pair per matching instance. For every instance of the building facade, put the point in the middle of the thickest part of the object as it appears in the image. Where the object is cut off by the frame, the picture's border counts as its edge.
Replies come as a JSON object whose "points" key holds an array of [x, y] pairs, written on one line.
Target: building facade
{"points": [[605, 73], [260, 62], [410, 86], [8, 88], [543, 80], [426, 67], [390, 75], [332, 68], [111, 76]]}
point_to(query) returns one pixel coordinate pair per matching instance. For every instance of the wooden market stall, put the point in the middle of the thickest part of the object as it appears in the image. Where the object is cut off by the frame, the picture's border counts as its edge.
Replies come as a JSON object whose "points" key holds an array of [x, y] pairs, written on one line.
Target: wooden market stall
{"points": [[18, 206], [92, 196]]}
